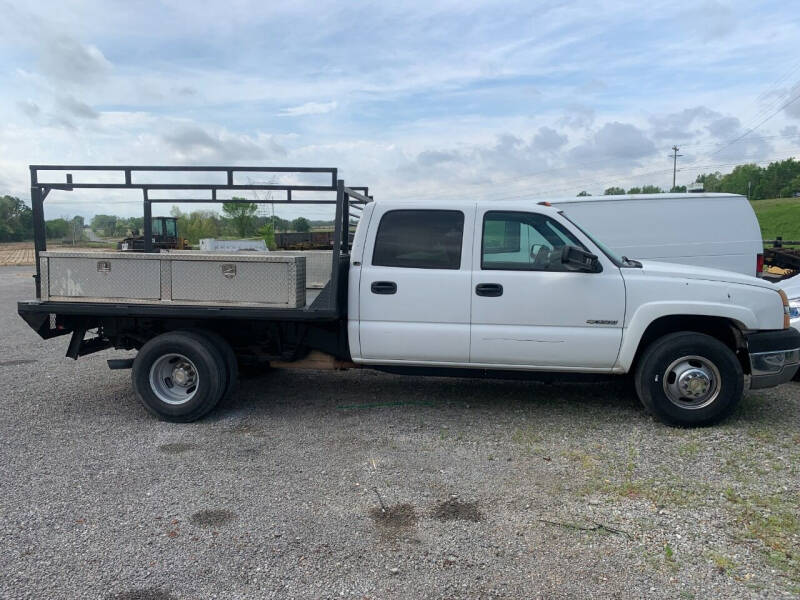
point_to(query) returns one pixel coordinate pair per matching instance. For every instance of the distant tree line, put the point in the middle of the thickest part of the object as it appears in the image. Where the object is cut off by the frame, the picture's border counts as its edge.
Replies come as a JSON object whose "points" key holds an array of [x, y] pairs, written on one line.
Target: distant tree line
{"points": [[113, 226], [777, 180], [16, 223], [237, 219], [16, 220]]}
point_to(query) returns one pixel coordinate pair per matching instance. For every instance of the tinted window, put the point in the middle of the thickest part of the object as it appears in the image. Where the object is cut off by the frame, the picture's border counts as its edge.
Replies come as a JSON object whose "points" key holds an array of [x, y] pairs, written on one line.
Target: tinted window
{"points": [[419, 239], [523, 241]]}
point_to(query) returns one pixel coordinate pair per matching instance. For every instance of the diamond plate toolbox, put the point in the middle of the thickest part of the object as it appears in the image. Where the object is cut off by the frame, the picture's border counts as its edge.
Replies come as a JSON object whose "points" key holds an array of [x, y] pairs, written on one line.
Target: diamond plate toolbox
{"points": [[175, 278]]}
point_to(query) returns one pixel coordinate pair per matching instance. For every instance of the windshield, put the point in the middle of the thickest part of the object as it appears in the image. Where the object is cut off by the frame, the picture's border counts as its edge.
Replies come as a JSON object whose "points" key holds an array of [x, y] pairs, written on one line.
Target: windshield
{"points": [[620, 261]]}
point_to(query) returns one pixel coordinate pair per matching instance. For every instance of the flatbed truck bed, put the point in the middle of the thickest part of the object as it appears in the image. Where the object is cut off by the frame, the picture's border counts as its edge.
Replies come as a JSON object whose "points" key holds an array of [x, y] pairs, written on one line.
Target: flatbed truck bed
{"points": [[267, 331]]}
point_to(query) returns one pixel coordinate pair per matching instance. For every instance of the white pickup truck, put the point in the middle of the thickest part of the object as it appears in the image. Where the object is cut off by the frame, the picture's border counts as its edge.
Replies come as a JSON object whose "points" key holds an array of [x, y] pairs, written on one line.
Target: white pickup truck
{"points": [[493, 288]]}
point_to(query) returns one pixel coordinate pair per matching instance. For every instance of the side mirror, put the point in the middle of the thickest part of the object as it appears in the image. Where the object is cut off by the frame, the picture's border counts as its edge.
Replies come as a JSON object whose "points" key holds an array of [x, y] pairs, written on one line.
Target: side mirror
{"points": [[578, 259]]}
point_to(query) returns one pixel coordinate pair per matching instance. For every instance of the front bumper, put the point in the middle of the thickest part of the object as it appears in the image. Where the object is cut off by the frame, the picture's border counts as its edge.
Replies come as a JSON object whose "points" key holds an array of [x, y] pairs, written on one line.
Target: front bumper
{"points": [[774, 357]]}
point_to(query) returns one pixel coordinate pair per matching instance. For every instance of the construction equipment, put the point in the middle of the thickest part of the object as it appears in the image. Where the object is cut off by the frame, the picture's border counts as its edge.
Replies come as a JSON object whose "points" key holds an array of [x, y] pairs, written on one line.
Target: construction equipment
{"points": [[164, 237]]}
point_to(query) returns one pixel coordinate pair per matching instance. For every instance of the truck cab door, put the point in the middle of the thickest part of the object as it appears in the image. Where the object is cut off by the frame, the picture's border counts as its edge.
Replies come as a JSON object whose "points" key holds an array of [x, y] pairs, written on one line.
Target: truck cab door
{"points": [[528, 310], [414, 287]]}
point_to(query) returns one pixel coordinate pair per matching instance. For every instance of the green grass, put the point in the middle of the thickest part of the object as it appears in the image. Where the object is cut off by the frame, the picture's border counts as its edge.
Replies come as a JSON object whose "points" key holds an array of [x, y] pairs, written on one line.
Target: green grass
{"points": [[778, 217], [721, 562], [774, 521]]}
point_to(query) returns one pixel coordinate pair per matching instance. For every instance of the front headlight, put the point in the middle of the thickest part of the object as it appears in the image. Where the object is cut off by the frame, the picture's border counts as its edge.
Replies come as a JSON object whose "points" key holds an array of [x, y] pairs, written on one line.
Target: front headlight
{"points": [[794, 308]]}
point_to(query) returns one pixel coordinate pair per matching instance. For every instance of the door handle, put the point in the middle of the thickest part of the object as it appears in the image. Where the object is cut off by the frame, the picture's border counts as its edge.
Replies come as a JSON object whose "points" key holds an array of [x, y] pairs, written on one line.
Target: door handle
{"points": [[383, 287], [491, 290]]}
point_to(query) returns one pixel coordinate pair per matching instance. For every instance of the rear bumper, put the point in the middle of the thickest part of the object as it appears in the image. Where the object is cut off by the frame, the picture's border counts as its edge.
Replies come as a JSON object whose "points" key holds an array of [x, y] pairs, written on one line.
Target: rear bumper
{"points": [[774, 357]]}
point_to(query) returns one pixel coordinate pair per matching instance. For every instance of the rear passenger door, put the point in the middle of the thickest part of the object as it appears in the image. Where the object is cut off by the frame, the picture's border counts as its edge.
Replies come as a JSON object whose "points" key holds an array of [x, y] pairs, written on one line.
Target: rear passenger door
{"points": [[414, 290]]}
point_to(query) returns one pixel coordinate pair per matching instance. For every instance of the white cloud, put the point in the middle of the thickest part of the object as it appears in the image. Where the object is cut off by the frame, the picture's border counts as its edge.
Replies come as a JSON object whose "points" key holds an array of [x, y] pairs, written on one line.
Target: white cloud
{"points": [[548, 139], [76, 108], [309, 108], [614, 143], [678, 126], [709, 20], [192, 142], [65, 59], [29, 107]]}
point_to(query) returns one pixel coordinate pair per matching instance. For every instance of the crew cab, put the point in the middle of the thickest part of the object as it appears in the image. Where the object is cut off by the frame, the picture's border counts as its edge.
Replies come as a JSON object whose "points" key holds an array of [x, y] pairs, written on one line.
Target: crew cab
{"points": [[471, 288]]}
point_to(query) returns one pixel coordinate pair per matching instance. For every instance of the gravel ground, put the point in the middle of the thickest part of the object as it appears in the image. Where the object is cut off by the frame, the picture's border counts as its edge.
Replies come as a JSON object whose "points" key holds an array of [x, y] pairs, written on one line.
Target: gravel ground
{"points": [[490, 489]]}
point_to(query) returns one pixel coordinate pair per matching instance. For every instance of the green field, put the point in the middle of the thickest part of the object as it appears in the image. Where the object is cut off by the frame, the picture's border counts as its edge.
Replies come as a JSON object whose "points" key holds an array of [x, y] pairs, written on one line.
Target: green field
{"points": [[778, 217]]}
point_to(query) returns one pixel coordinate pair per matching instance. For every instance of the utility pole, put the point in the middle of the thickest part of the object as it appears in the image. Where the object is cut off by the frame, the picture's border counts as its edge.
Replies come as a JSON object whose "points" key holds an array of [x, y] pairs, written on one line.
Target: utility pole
{"points": [[675, 156]]}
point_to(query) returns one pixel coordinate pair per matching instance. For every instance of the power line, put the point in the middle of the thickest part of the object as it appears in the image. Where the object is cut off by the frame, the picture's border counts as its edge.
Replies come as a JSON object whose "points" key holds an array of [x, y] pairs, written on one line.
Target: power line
{"points": [[749, 131]]}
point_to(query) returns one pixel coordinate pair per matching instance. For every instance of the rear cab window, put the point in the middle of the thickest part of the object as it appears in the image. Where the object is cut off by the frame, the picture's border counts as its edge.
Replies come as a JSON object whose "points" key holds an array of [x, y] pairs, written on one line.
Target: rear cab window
{"points": [[419, 239]]}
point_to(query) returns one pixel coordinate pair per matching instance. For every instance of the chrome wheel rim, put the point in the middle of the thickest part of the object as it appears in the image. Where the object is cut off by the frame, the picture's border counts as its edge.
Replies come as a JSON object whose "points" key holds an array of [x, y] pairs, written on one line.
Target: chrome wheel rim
{"points": [[174, 379], [692, 382]]}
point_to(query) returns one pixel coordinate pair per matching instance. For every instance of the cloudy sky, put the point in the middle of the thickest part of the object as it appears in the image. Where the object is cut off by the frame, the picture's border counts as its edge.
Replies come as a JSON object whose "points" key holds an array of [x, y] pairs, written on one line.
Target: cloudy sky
{"points": [[452, 98]]}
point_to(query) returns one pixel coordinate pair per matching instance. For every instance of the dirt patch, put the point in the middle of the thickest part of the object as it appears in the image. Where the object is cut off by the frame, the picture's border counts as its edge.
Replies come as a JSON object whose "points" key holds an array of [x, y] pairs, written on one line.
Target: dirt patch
{"points": [[212, 518], [17, 257], [394, 517], [454, 510], [142, 594], [175, 448], [14, 363], [244, 429]]}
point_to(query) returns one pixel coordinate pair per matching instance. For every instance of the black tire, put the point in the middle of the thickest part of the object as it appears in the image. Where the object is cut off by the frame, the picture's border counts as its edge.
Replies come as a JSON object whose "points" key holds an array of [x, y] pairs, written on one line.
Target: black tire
{"points": [[206, 362], [228, 358], [696, 352]]}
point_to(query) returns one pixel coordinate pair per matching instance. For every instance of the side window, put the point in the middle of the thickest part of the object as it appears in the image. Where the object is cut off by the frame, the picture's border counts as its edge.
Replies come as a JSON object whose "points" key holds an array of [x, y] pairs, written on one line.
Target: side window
{"points": [[521, 241], [156, 227], [419, 239]]}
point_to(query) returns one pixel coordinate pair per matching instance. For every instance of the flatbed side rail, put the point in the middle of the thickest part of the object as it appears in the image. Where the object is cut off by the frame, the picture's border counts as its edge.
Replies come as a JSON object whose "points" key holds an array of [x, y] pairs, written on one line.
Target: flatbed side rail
{"points": [[129, 176]]}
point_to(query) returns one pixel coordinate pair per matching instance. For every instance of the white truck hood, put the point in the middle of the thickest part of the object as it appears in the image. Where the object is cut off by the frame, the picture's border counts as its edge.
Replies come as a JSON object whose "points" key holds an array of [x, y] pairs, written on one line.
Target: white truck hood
{"points": [[790, 286], [663, 269]]}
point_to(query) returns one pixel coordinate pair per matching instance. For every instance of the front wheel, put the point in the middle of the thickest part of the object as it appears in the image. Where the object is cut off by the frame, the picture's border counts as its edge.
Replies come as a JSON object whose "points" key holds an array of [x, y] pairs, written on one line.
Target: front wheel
{"points": [[179, 376], [689, 379]]}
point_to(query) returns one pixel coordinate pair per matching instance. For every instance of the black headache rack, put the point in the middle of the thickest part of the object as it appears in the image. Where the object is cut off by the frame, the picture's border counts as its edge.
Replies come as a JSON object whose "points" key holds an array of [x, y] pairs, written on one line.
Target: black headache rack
{"points": [[329, 305]]}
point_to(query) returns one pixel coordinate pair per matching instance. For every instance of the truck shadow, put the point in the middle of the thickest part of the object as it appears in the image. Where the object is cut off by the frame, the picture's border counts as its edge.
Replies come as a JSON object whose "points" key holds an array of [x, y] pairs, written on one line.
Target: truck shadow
{"points": [[300, 394], [294, 392]]}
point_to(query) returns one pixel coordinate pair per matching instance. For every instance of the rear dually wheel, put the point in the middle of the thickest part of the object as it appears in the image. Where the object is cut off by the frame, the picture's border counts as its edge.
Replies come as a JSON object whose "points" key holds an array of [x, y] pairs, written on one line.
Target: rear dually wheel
{"points": [[179, 376]]}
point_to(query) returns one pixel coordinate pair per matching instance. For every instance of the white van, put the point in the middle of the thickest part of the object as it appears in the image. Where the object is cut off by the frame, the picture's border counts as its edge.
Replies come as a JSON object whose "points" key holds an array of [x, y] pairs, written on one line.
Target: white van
{"points": [[705, 230]]}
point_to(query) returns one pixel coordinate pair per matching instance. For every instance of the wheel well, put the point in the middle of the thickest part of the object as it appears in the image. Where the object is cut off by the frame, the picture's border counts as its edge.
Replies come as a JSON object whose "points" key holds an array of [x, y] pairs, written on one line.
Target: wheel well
{"points": [[725, 330]]}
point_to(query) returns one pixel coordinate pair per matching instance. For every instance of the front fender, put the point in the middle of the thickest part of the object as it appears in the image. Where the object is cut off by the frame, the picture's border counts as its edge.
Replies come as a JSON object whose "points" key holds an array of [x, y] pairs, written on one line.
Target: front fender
{"points": [[638, 322]]}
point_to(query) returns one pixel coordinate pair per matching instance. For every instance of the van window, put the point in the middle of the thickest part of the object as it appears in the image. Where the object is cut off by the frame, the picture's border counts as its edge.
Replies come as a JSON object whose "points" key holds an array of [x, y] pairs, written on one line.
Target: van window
{"points": [[523, 241], [419, 239]]}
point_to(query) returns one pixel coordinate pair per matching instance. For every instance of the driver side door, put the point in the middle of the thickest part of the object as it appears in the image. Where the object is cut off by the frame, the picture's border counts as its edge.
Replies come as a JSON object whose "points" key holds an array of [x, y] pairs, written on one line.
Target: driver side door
{"points": [[528, 310]]}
